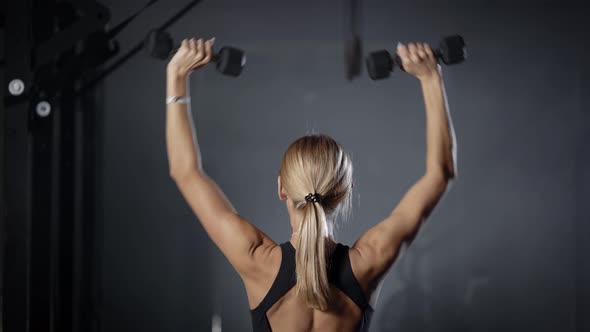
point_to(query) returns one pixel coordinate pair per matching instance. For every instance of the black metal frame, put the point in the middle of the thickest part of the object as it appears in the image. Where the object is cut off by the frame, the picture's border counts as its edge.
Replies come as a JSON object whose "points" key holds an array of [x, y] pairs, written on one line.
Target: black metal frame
{"points": [[17, 194], [48, 191], [48, 215]]}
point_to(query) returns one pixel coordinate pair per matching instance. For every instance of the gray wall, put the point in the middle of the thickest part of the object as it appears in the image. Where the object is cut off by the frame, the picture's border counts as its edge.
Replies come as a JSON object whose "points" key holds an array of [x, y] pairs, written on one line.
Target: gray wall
{"points": [[505, 249]]}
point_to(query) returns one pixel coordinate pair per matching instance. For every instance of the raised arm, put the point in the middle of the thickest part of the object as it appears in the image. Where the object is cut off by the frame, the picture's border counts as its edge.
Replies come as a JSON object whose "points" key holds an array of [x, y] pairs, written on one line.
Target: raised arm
{"points": [[379, 246], [239, 240]]}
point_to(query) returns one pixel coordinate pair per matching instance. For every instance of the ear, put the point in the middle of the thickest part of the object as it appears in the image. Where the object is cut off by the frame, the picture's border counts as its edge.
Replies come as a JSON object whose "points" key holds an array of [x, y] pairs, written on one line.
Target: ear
{"points": [[282, 195]]}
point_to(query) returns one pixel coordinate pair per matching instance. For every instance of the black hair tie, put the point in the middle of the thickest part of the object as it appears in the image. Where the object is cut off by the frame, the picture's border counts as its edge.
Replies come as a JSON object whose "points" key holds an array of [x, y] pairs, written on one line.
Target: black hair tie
{"points": [[314, 198]]}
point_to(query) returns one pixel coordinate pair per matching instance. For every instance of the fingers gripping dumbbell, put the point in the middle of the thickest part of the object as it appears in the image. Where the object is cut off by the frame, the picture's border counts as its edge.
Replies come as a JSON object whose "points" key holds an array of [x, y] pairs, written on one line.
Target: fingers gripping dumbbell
{"points": [[229, 60], [451, 51]]}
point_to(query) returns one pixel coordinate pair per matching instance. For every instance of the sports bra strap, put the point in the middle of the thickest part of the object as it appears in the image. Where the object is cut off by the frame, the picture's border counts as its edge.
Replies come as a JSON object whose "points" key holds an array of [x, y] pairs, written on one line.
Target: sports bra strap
{"points": [[284, 280], [340, 274]]}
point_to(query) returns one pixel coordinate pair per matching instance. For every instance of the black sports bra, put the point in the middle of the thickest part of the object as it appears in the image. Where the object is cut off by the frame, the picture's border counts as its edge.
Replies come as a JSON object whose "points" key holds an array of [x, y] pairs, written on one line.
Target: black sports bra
{"points": [[339, 274]]}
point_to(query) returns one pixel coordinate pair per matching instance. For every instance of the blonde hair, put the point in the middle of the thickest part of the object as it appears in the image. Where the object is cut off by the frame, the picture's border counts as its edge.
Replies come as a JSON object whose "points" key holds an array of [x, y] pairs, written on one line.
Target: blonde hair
{"points": [[316, 164]]}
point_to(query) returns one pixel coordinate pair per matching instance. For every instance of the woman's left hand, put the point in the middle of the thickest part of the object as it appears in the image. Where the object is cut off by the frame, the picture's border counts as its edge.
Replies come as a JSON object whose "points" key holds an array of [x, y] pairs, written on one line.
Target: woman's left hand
{"points": [[192, 54]]}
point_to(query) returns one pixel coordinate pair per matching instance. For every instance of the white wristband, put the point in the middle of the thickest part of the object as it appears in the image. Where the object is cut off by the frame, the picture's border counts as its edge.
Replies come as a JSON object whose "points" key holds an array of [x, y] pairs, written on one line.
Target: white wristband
{"points": [[178, 100]]}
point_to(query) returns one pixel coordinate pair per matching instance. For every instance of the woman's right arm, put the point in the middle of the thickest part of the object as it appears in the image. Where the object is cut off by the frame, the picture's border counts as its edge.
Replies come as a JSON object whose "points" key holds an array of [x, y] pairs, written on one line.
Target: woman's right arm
{"points": [[379, 246]]}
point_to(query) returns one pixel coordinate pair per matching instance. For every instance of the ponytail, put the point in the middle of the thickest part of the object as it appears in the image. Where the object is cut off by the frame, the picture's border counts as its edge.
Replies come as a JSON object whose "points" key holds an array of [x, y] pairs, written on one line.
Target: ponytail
{"points": [[312, 278], [315, 164]]}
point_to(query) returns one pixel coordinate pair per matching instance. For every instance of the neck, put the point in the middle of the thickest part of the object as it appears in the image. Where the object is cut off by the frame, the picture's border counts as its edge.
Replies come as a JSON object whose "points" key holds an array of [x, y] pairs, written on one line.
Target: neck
{"points": [[330, 240], [295, 227], [330, 243], [296, 216]]}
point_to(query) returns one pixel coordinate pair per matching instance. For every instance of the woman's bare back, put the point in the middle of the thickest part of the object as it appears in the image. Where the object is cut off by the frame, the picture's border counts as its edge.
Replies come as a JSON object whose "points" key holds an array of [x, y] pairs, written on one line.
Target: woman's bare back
{"points": [[290, 312]]}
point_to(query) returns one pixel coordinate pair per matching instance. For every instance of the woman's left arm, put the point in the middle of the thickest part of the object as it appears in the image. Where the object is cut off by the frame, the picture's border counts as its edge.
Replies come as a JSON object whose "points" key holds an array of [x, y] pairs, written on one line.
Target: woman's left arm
{"points": [[239, 240]]}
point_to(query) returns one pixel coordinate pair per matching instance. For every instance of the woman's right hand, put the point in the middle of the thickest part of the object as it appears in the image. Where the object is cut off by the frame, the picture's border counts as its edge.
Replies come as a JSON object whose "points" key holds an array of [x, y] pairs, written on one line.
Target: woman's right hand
{"points": [[418, 59], [192, 54]]}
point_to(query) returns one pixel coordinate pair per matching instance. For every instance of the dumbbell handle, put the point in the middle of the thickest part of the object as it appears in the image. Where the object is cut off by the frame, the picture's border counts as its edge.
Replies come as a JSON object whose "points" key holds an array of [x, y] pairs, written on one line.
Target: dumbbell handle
{"points": [[398, 61], [214, 57]]}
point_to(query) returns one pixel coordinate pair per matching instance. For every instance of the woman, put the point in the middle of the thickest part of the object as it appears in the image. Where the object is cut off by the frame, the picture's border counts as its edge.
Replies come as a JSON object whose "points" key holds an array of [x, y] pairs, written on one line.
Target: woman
{"points": [[312, 282]]}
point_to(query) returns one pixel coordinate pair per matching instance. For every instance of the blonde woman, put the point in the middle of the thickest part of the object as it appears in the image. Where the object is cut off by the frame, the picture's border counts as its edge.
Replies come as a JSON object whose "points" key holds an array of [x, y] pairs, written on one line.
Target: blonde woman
{"points": [[312, 282]]}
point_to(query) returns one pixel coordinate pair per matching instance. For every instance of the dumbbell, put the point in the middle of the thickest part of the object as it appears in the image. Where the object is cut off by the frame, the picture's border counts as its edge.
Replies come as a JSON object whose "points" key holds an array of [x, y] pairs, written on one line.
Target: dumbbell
{"points": [[451, 51], [229, 60]]}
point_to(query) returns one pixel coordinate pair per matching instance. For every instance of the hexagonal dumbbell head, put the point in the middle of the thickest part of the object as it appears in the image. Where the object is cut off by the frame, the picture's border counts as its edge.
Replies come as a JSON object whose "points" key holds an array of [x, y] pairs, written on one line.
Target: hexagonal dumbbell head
{"points": [[452, 50], [158, 44], [230, 61], [379, 65]]}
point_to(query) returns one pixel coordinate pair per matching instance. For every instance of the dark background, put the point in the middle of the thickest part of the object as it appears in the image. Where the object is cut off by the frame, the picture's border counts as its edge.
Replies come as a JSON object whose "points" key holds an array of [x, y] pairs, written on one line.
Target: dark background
{"points": [[506, 249]]}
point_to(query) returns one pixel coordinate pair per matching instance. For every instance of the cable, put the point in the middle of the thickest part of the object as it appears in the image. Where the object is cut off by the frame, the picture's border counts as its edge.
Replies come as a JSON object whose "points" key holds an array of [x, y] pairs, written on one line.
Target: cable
{"points": [[136, 48]]}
